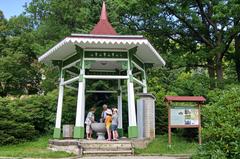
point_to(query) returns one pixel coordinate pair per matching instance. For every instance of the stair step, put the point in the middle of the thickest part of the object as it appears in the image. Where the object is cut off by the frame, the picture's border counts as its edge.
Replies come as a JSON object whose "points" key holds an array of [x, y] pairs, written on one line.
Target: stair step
{"points": [[129, 152], [109, 149], [108, 146]]}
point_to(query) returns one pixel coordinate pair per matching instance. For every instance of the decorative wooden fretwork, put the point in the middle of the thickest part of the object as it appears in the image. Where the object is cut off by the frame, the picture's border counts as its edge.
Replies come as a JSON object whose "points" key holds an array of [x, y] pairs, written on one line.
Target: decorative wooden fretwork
{"points": [[101, 54]]}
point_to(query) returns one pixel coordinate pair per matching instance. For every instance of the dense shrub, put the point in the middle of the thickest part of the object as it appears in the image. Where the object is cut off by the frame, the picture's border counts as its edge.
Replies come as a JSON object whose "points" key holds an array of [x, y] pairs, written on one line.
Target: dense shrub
{"points": [[15, 124], [221, 125], [162, 82], [30, 116], [27, 117]]}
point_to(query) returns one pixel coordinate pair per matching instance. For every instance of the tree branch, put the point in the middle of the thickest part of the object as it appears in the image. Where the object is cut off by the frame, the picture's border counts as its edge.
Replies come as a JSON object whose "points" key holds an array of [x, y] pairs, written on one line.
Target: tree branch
{"points": [[190, 27], [204, 15]]}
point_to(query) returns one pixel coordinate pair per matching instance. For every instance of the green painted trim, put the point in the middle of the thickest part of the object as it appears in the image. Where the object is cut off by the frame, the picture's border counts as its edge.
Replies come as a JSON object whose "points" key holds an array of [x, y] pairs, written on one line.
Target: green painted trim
{"points": [[148, 65], [132, 132], [78, 133], [131, 52], [80, 78], [88, 63], [123, 64], [74, 70], [120, 132], [119, 92], [80, 52], [57, 133], [71, 59], [137, 61], [100, 73], [105, 54], [57, 63], [131, 78]]}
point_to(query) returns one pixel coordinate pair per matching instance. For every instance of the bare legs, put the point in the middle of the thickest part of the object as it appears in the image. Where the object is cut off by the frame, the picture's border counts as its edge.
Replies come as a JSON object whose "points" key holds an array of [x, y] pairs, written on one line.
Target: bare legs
{"points": [[109, 134], [115, 135]]}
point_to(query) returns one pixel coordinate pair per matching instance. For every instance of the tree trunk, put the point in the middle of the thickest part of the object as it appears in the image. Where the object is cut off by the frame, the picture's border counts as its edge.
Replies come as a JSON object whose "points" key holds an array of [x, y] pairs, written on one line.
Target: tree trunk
{"points": [[219, 70], [211, 73], [237, 56]]}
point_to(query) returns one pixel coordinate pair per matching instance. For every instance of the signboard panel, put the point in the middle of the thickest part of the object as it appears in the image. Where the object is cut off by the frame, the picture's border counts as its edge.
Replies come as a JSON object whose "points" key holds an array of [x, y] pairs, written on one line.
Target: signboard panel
{"points": [[184, 116]]}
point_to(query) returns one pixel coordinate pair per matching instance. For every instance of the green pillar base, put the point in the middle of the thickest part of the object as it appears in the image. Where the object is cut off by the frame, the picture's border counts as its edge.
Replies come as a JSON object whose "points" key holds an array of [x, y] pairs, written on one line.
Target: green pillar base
{"points": [[57, 133], [132, 132], [78, 133], [120, 132]]}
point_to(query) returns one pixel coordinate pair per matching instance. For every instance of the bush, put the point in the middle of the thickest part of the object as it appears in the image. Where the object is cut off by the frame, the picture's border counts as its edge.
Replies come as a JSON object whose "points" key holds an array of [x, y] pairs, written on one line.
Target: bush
{"points": [[221, 130], [14, 123], [28, 117], [162, 82]]}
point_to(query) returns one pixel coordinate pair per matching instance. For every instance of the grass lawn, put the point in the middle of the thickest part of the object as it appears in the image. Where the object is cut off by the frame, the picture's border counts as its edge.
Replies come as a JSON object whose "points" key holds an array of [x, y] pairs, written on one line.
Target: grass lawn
{"points": [[32, 149], [159, 146]]}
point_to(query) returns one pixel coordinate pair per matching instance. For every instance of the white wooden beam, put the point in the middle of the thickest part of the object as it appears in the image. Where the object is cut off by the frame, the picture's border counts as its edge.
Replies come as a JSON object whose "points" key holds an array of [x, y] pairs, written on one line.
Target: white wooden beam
{"points": [[138, 67], [71, 64], [106, 59], [70, 87], [139, 82], [101, 91], [104, 77], [71, 80]]}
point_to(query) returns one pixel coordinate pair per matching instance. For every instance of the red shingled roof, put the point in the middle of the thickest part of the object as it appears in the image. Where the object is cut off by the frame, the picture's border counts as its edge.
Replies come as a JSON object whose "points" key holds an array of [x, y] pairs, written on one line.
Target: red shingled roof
{"points": [[103, 27], [185, 99]]}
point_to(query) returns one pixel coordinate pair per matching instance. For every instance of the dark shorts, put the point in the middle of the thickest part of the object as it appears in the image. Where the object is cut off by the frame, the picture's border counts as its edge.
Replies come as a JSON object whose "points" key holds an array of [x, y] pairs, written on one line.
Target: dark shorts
{"points": [[114, 127]]}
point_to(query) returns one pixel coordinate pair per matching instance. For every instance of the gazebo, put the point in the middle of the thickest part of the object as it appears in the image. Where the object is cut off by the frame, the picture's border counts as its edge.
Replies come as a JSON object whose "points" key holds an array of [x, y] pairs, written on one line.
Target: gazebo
{"points": [[103, 55]]}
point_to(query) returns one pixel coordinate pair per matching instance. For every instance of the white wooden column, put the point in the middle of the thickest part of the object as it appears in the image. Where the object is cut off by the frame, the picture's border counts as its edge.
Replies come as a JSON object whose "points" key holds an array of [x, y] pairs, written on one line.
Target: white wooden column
{"points": [[131, 101], [80, 112], [132, 128], [144, 82], [57, 130], [80, 102], [120, 127]]}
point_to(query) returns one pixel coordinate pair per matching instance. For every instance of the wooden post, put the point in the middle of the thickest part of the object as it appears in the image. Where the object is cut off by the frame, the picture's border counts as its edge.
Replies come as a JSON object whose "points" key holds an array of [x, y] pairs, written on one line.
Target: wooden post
{"points": [[169, 124], [80, 112], [199, 125], [57, 129]]}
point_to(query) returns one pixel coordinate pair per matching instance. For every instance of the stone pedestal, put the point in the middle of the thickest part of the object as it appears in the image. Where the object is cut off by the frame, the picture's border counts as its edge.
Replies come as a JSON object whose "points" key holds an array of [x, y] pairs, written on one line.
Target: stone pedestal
{"points": [[68, 131], [146, 116]]}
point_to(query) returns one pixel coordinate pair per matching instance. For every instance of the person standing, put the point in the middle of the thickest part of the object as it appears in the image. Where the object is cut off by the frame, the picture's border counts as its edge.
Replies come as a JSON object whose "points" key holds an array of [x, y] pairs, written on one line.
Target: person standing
{"points": [[108, 122], [115, 124], [104, 114], [89, 120]]}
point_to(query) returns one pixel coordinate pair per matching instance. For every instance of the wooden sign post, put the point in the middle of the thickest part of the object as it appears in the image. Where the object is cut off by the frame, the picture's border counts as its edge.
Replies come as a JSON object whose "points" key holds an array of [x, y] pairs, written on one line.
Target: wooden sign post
{"points": [[184, 116]]}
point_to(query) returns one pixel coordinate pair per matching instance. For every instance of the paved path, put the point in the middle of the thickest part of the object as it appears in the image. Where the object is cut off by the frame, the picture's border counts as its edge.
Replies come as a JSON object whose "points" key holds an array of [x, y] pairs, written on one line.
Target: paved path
{"points": [[136, 157], [116, 157]]}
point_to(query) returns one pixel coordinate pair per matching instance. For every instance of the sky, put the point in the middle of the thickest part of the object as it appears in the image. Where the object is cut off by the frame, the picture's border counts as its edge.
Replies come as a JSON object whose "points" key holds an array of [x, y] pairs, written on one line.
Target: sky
{"points": [[12, 7]]}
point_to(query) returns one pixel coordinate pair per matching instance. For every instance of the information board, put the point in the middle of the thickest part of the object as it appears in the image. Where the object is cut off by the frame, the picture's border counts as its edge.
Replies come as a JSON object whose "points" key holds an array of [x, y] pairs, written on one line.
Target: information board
{"points": [[182, 116]]}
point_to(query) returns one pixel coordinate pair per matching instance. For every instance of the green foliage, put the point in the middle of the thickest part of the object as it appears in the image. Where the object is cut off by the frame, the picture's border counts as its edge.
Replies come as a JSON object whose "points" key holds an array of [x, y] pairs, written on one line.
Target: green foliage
{"points": [[32, 149], [221, 131], [159, 146], [19, 70], [15, 124], [162, 82]]}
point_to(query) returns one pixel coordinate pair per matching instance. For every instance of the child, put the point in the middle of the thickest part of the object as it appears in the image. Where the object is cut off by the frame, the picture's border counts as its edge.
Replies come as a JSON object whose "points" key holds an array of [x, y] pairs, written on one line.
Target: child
{"points": [[115, 124], [89, 120], [108, 122]]}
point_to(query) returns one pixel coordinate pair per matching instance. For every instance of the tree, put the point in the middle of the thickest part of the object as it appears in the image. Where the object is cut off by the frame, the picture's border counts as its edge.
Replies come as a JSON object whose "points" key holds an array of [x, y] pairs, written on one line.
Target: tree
{"points": [[201, 30], [19, 71]]}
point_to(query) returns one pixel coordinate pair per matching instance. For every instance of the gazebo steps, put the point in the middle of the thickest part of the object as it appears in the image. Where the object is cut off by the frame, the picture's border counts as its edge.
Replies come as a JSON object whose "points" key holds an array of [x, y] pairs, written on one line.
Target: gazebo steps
{"points": [[94, 148], [107, 153]]}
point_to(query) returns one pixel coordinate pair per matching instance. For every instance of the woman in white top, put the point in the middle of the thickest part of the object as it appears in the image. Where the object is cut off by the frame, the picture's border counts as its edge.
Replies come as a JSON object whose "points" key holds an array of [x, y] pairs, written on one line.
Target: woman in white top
{"points": [[89, 120]]}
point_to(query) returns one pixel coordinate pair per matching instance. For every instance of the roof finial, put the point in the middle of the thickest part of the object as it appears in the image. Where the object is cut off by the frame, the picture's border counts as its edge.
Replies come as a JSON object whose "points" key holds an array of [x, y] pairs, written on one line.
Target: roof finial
{"points": [[103, 27], [104, 12]]}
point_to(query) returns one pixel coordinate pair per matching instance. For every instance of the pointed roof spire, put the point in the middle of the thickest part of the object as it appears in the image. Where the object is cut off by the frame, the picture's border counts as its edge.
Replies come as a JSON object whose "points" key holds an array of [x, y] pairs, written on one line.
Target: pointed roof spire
{"points": [[104, 12], [103, 27]]}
